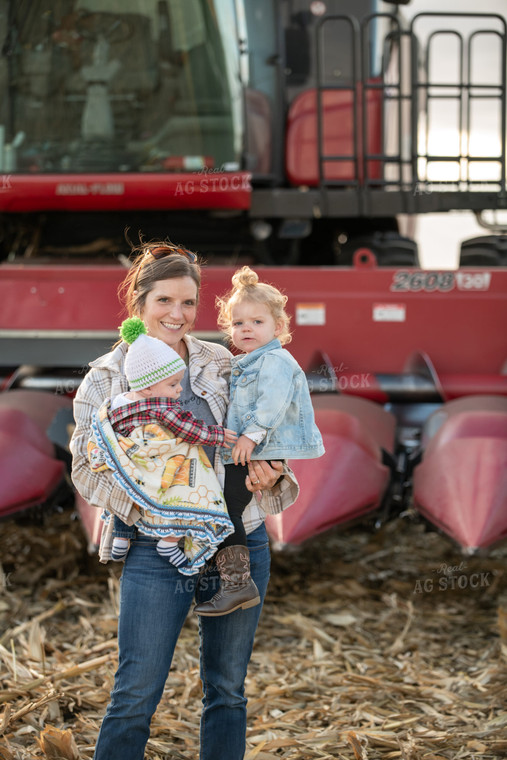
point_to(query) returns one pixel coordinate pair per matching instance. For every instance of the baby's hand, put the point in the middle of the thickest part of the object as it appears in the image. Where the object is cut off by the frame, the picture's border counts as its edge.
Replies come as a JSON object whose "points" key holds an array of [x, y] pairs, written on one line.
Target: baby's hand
{"points": [[242, 451], [230, 436]]}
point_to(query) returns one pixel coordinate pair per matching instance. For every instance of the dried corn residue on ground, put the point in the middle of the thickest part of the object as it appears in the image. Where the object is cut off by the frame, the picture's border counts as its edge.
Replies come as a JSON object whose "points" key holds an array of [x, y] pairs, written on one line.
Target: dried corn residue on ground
{"points": [[371, 646]]}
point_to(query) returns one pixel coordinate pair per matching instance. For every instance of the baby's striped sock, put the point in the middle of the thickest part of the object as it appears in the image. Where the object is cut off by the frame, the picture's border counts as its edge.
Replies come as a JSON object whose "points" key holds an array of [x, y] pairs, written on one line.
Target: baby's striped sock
{"points": [[119, 549], [171, 552]]}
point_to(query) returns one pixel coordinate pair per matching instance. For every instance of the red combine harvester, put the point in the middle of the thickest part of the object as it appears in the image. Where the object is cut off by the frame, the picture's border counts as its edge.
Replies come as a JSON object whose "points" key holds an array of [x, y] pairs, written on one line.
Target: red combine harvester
{"points": [[302, 137]]}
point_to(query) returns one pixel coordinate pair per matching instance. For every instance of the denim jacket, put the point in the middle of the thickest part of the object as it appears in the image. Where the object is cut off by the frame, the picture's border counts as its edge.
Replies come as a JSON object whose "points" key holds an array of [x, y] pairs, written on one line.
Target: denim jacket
{"points": [[269, 392]]}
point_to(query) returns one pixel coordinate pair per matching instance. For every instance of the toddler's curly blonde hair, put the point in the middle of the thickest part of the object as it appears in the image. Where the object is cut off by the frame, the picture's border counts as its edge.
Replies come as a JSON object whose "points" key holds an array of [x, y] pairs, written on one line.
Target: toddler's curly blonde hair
{"points": [[246, 287]]}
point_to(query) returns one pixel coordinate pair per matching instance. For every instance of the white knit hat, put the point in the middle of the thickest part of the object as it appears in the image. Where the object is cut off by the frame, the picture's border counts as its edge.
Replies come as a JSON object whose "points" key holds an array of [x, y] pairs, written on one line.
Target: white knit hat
{"points": [[149, 360]]}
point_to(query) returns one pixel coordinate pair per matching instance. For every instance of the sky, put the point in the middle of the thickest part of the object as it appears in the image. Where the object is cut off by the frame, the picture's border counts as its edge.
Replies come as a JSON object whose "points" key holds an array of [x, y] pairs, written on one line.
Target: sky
{"points": [[439, 235]]}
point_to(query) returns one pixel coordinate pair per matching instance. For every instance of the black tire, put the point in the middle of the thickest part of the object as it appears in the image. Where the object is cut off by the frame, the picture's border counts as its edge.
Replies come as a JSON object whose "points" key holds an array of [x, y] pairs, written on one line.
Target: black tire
{"points": [[485, 251], [390, 249]]}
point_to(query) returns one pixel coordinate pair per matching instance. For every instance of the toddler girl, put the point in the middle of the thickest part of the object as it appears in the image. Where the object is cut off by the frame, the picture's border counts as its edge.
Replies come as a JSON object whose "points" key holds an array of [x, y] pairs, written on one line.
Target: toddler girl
{"points": [[270, 406]]}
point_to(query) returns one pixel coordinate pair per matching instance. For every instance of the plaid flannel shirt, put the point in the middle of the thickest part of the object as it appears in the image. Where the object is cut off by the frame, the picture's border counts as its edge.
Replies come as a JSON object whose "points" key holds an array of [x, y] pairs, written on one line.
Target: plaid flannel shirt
{"points": [[209, 369], [170, 415]]}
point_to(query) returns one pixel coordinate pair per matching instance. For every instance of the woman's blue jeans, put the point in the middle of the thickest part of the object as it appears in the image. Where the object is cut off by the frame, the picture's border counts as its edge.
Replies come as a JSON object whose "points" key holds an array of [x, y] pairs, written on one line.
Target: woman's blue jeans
{"points": [[154, 601]]}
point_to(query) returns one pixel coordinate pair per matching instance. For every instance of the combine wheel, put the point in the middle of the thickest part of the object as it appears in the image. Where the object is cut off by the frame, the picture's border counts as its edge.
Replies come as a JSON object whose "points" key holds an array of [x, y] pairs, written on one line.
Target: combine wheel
{"points": [[484, 251], [390, 249]]}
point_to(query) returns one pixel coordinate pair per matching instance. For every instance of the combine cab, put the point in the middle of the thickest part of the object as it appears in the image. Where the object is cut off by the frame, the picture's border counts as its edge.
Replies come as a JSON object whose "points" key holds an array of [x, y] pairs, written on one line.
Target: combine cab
{"points": [[303, 138]]}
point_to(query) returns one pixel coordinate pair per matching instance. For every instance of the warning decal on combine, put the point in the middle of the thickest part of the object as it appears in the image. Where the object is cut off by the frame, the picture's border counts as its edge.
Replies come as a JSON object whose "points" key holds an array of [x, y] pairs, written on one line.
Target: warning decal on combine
{"points": [[310, 314], [389, 312]]}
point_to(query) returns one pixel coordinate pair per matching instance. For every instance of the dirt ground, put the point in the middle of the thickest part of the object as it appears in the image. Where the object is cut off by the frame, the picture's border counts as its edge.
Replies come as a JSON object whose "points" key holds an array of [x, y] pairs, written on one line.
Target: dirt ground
{"points": [[372, 645]]}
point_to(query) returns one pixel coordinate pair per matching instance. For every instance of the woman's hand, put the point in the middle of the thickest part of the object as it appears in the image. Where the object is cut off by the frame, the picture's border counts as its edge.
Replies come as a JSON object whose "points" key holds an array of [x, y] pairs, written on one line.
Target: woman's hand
{"points": [[262, 475]]}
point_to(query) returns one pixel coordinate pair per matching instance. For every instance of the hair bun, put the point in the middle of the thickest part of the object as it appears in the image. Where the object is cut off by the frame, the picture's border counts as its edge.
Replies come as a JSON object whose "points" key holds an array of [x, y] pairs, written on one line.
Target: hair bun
{"points": [[132, 328], [245, 278]]}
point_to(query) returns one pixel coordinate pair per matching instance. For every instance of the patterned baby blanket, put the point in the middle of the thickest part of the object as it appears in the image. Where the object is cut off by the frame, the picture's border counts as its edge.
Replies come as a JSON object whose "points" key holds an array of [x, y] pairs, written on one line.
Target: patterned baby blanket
{"points": [[172, 483]]}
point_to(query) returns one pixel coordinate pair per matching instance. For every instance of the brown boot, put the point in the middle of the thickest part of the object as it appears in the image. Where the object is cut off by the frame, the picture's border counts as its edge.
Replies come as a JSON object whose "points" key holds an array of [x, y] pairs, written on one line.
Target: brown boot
{"points": [[237, 588]]}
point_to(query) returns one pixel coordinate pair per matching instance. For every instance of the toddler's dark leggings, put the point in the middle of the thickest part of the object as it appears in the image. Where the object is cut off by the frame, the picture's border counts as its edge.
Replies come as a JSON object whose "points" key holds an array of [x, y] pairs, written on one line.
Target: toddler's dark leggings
{"points": [[237, 496]]}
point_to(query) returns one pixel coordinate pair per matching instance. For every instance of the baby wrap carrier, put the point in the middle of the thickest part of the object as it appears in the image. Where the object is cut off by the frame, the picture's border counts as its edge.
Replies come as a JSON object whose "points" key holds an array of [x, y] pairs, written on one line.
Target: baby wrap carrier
{"points": [[172, 483]]}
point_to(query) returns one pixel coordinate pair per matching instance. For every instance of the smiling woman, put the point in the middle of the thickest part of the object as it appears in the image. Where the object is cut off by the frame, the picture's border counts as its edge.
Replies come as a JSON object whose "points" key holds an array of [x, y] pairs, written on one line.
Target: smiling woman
{"points": [[163, 289]]}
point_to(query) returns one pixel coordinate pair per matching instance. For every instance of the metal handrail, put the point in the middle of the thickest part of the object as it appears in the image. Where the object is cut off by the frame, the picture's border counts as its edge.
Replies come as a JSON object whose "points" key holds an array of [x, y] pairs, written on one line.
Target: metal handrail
{"points": [[464, 91]]}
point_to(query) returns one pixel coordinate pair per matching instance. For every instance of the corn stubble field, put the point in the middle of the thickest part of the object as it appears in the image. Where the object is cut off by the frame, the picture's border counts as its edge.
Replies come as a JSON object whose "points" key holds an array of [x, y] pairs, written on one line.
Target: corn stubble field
{"points": [[372, 645]]}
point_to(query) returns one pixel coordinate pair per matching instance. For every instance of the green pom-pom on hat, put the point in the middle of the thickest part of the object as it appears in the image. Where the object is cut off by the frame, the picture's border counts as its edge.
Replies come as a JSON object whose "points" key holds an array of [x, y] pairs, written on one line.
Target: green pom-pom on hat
{"points": [[150, 360], [132, 328]]}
